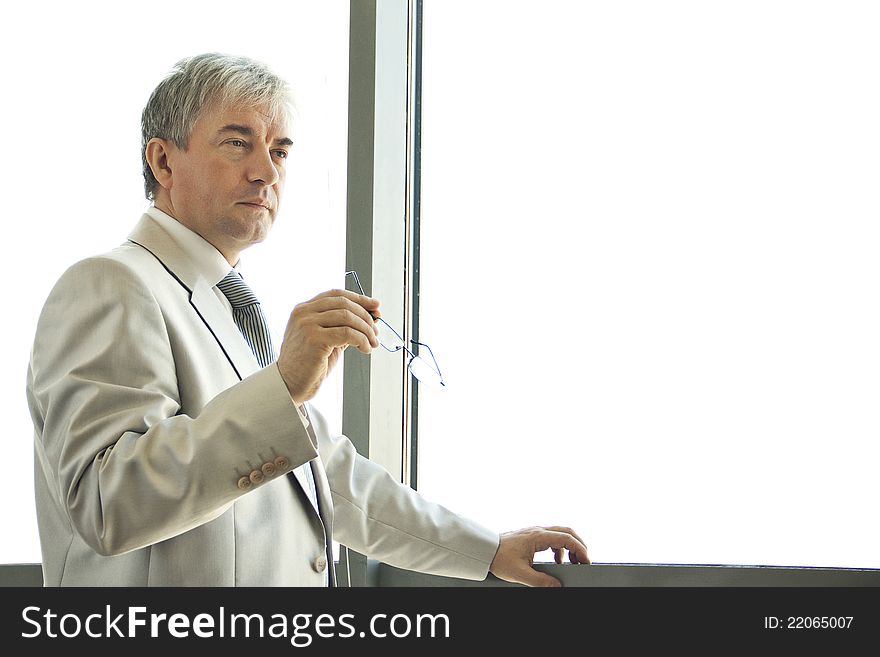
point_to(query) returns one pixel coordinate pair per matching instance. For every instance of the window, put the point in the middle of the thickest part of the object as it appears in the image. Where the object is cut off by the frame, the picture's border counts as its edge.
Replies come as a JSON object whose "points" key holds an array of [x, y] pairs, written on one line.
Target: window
{"points": [[80, 75], [649, 273]]}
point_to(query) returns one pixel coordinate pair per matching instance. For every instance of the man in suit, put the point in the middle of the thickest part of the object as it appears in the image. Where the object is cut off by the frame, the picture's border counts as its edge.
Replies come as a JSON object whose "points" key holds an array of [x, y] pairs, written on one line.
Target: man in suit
{"points": [[172, 447]]}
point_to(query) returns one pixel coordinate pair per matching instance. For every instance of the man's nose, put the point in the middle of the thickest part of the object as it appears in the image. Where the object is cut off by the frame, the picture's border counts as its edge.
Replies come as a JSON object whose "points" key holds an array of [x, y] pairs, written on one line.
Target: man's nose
{"points": [[263, 168]]}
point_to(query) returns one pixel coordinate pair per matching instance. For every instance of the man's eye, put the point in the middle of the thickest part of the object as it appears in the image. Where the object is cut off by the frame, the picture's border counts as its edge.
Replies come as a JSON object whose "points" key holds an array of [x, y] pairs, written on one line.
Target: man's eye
{"points": [[238, 143], [281, 154]]}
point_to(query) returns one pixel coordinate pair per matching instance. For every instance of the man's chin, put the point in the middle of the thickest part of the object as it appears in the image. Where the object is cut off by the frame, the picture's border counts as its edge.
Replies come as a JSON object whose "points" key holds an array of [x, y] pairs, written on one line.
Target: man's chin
{"points": [[250, 231]]}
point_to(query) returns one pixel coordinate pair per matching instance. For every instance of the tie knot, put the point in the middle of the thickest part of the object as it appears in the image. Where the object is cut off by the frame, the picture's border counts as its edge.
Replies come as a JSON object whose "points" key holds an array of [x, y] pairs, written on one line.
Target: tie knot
{"points": [[236, 290]]}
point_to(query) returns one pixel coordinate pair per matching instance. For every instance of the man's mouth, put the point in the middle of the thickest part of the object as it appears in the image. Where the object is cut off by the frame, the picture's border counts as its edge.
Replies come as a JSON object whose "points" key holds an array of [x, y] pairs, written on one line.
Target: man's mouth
{"points": [[257, 204]]}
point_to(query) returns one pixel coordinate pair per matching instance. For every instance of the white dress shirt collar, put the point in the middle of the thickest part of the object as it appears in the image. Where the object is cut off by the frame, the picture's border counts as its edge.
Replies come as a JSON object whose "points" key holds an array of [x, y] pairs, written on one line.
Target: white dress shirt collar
{"points": [[206, 258]]}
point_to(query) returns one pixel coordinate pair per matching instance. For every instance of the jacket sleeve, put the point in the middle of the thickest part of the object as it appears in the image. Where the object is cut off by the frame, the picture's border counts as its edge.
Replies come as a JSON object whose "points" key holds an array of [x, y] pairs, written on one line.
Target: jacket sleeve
{"points": [[127, 467], [386, 520]]}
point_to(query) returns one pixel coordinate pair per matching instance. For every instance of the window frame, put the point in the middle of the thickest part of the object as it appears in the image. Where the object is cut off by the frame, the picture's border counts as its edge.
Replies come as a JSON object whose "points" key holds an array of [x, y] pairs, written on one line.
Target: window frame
{"points": [[378, 394]]}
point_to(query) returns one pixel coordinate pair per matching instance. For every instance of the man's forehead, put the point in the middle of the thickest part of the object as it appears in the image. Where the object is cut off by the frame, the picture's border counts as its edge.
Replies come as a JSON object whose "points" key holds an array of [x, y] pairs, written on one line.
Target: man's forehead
{"points": [[258, 119]]}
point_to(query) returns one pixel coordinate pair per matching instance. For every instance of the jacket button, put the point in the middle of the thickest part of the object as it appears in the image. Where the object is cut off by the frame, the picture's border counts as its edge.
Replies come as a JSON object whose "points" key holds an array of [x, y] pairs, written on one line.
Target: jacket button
{"points": [[320, 564], [268, 469], [281, 463], [256, 476], [244, 483]]}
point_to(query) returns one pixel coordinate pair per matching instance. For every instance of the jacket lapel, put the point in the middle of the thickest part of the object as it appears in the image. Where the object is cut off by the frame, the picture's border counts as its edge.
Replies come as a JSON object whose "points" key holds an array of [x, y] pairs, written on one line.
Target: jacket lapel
{"points": [[150, 235]]}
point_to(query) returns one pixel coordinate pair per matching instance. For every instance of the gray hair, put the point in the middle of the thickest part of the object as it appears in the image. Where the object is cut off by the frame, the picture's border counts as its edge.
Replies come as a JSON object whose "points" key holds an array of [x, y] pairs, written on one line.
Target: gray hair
{"points": [[198, 83]]}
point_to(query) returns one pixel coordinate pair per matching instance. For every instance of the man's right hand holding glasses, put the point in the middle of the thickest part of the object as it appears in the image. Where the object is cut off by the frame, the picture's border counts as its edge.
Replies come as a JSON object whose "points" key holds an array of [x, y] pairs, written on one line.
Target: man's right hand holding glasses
{"points": [[317, 333]]}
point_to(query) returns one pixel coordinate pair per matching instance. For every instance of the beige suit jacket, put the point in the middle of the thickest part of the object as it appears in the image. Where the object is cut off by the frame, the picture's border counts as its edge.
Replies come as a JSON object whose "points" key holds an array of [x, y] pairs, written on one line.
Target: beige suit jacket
{"points": [[151, 414]]}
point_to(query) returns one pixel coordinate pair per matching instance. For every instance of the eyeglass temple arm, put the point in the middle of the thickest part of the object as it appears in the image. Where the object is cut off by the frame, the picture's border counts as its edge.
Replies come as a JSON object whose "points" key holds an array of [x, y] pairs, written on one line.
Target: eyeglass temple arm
{"points": [[357, 282]]}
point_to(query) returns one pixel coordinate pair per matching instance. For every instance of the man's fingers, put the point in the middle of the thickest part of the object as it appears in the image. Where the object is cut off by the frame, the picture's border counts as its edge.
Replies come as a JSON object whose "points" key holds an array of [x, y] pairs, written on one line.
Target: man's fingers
{"points": [[344, 318], [327, 302], [345, 335], [564, 537], [338, 309], [566, 530], [370, 304], [562, 540]]}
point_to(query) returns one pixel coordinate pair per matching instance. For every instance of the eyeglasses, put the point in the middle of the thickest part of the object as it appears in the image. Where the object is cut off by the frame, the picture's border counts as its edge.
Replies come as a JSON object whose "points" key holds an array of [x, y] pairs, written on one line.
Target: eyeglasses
{"points": [[391, 340]]}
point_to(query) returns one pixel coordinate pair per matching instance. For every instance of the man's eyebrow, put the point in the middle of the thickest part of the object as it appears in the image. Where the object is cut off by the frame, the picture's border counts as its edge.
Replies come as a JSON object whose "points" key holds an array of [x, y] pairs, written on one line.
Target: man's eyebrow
{"points": [[240, 129], [249, 132]]}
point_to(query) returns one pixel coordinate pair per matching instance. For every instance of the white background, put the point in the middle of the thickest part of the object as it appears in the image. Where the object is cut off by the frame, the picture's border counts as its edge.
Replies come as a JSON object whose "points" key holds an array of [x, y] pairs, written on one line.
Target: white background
{"points": [[650, 274], [76, 77]]}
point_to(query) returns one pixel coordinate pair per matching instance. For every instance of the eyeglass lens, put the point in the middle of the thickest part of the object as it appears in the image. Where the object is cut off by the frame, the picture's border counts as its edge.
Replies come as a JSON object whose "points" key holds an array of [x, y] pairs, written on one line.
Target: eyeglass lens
{"points": [[424, 372], [388, 338]]}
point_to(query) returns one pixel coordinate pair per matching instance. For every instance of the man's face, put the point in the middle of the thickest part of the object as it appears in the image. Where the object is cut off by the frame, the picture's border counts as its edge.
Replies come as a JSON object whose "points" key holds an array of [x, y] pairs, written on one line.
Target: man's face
{"points": [[226, 186]]}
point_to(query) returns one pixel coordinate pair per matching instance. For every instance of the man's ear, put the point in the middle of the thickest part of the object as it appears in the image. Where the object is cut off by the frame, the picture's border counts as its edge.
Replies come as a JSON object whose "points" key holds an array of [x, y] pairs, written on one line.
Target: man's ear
{"points": [[159, 153]]}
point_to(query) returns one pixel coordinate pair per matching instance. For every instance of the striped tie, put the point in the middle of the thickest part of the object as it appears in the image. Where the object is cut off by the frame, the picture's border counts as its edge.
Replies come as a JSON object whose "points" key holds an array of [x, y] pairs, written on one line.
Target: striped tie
{"points": [[248, 316]]}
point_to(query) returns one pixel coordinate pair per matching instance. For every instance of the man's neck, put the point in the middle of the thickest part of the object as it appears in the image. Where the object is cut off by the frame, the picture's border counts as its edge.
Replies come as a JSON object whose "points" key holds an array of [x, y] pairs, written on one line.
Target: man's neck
{"points": [[232, 257]]}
